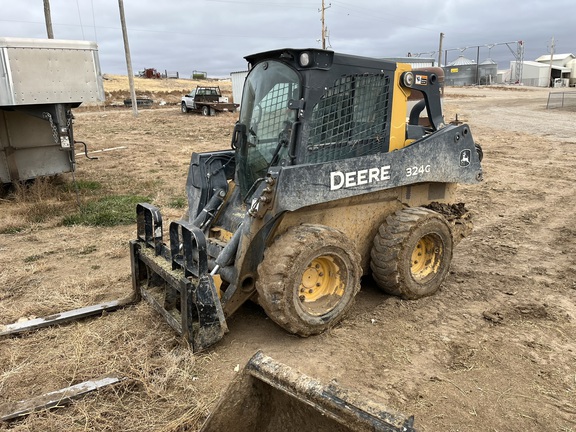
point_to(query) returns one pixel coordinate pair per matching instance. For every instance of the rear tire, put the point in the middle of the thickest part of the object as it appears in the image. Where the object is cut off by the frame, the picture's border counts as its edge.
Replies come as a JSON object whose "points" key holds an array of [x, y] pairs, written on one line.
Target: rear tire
{"points": [[412, 252], [308, 279], [205, 110]]}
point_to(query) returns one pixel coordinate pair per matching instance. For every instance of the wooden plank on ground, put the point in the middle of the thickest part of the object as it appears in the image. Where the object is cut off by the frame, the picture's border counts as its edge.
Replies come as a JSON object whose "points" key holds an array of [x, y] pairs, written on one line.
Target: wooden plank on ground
{"points": [[54, 399]]}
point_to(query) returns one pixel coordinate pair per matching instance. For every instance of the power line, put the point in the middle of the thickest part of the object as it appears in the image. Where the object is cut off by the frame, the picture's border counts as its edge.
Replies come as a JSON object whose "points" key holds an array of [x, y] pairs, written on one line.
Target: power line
{"points": [[80, 19], [94, 20], [372, 15], [134, 29]]}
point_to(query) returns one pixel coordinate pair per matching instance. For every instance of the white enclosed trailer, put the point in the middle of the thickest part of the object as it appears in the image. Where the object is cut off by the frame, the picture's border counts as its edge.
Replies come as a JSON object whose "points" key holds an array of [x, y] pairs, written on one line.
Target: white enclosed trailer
{"points": [[41, 80]]}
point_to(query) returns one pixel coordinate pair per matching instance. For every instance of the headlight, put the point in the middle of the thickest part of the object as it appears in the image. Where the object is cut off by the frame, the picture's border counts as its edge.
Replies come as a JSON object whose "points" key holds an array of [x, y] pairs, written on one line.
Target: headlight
{"points": [[305, 59]]}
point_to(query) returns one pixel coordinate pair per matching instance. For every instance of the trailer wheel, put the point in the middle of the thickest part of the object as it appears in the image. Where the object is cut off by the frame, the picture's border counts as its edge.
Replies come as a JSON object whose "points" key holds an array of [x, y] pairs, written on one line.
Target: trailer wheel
{"points": [[412, 252], [205, 110], [308, 279], [184, 107]]}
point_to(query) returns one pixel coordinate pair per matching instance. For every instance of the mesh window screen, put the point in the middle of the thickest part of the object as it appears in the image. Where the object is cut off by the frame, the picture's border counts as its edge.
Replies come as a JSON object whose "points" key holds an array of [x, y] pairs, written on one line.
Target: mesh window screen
{"points": [[351, 119], [275, 111]]}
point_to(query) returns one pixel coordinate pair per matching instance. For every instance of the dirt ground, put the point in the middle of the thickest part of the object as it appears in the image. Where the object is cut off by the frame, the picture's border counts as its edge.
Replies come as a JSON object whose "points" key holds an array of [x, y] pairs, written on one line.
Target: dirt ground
{"points": [[493, 350]]}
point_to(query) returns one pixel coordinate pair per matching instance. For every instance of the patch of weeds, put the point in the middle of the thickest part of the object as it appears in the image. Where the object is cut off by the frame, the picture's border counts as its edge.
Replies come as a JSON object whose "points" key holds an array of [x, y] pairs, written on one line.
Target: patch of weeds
{"points": [[87, 250], [83, 186], [152, 185], [95, 267], [178, 202], [36, 257], [42, 211], [32, 258], [107, 211], [11, 230], [37, 190]]}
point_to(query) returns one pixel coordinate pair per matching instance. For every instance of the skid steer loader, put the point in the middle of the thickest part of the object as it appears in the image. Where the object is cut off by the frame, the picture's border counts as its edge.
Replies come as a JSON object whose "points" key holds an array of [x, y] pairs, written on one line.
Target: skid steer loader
{"points": [[330, 177]]}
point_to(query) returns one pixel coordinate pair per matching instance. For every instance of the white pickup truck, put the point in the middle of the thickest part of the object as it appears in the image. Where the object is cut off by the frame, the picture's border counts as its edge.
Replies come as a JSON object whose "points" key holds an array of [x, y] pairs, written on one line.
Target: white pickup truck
{"points": [[207, 100]]}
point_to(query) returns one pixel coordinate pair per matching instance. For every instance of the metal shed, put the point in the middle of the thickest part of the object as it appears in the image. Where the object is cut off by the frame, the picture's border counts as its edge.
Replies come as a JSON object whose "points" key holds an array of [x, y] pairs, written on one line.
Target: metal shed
{"points": [[538, 74], [238, 79]]}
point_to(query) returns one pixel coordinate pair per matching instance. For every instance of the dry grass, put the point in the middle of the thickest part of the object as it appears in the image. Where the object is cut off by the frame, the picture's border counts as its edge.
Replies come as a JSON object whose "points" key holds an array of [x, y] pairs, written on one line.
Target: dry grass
{"points": [[53, 267], [165, 386]]}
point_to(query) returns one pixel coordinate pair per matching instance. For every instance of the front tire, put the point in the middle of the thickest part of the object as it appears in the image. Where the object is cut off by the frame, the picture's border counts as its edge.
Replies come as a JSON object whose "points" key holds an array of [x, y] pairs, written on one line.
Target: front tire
{"points": [[411, 253], [308, 279], [183, 107]]}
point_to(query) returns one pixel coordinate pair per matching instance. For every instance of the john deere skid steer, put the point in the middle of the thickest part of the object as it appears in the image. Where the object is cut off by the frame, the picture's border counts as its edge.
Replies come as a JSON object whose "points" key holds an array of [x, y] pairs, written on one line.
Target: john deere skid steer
{"points": [[333, 174]]}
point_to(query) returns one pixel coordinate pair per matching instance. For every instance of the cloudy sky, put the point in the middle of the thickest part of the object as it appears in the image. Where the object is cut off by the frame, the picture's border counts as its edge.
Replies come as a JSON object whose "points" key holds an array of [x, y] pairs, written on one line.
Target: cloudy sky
{"points": [[214, 35]]}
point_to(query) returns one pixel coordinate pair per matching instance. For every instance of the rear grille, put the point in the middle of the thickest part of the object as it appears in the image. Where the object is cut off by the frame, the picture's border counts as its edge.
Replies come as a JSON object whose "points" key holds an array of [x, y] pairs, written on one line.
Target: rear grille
{"points": [[352, 119]]}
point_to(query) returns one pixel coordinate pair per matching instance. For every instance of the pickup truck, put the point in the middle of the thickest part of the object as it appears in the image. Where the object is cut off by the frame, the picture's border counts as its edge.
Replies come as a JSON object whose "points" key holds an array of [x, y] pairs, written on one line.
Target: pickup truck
{"points": [[207, 100]]}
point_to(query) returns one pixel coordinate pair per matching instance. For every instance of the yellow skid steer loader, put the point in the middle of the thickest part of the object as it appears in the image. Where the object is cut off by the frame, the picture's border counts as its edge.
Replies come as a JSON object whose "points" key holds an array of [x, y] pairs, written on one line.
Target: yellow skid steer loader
{"points": [[333, 173]]}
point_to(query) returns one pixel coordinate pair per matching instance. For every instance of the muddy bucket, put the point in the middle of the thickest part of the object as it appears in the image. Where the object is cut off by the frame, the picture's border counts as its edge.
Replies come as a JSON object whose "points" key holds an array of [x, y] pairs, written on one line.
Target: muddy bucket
{"points": [[270, 396]]}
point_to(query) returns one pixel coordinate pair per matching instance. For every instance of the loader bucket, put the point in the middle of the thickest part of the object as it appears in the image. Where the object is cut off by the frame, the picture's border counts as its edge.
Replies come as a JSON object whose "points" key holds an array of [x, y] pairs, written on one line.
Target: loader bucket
{"points": [[270, 396]]}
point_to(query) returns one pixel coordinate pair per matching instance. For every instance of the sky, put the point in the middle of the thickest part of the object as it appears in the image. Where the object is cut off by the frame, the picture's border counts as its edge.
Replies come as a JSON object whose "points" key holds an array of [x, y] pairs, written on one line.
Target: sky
{"points": [[213, 36]]}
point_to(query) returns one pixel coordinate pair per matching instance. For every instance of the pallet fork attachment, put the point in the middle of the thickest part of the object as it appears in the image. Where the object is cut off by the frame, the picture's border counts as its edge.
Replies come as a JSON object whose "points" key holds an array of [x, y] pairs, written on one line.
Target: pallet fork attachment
{"points": [[63, 317], [270, 396], [175, 280]]}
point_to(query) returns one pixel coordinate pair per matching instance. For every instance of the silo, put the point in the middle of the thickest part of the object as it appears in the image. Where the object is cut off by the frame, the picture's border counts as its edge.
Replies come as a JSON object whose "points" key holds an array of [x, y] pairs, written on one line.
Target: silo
{"points": [[572, 65], [460, 72], [487, 72]]}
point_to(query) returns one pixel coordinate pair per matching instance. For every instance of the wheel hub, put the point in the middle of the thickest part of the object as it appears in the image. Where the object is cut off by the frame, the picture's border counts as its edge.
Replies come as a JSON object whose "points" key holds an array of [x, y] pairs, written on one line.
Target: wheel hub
{"points": [[426, 257], [321, 287]]}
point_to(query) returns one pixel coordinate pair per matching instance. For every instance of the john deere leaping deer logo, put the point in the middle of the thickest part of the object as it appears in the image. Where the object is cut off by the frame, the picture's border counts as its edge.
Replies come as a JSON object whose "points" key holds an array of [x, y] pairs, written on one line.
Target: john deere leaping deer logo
{"points": [[465, 158]]}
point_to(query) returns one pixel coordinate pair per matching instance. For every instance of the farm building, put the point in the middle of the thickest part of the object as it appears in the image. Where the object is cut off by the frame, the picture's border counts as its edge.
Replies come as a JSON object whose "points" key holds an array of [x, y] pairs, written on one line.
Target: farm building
{"points": [[487, 72], [537, 73], [463, 71], [238, 79], [460, 72]]}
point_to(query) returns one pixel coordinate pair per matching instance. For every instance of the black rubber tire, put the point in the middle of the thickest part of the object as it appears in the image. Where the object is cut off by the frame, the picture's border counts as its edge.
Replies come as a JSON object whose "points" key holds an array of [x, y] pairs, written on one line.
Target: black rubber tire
{"points": [[205, 110], [184, 108], [479, 151], [285, 271], [394, 256]]}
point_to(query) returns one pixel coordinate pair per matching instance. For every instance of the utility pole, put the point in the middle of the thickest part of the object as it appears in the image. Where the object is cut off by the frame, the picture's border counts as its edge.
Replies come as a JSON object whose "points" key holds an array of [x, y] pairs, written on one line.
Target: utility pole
{"points": [[128, 61], [440, 50], [550, 82], [48, 19], [324, 25]]}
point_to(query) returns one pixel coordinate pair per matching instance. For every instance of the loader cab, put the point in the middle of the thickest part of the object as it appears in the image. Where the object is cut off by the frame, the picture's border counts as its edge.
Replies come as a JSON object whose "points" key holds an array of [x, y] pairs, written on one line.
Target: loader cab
{"points": [[315, 106], [266, 121]]}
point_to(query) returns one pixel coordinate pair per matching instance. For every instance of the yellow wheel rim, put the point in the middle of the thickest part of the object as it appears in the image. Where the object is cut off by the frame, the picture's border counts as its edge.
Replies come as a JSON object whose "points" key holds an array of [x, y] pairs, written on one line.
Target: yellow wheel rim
{"points": [[426, 258], [321, 287]]}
